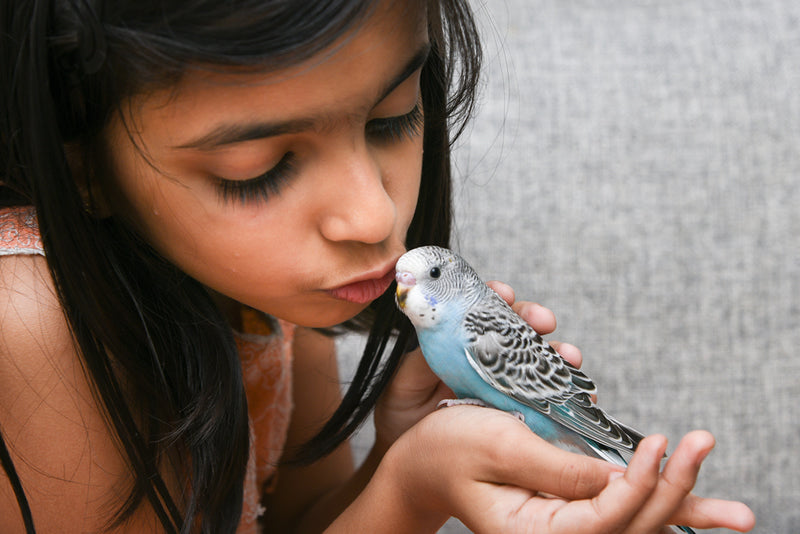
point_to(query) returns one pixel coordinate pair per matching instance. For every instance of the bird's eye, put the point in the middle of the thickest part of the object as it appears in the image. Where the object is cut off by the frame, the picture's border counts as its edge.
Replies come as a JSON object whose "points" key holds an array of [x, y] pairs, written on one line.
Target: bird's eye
{"points": [[435, 272]]}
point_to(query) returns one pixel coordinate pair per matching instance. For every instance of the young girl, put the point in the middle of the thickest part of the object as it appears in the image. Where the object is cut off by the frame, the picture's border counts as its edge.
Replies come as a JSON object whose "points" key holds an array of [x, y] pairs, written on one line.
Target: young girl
{"points": [[184, 182]]}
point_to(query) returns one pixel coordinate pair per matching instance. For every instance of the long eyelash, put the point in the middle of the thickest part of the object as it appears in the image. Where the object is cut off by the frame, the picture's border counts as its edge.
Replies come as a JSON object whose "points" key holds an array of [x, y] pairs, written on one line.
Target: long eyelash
{"points": [[260, 188], [395, 129]]}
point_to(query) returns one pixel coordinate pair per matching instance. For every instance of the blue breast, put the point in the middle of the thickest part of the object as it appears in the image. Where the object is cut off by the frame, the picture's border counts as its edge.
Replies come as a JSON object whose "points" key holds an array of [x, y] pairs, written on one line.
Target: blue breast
{"points": [[444, 350]]}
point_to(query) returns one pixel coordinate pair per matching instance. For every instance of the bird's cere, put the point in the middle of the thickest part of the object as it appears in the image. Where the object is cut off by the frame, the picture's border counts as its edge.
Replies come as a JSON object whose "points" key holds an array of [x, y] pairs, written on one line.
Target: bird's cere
{"points": [[405, 278], [405, 281]]}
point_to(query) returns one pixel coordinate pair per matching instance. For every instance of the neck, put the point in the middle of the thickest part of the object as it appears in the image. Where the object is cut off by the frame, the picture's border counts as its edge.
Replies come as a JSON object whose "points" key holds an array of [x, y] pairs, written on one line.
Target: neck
{"points": [[230, 309]]}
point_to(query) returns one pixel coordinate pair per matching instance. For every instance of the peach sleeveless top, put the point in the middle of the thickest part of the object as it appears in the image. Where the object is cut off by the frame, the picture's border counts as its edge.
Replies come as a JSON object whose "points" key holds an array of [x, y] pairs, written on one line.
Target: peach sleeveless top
{"points": [[265, 350]]}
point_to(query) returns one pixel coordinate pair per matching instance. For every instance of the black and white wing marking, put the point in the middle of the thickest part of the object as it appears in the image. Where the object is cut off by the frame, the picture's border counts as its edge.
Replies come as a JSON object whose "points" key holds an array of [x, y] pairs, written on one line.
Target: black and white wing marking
{"points": [[509, 355]]}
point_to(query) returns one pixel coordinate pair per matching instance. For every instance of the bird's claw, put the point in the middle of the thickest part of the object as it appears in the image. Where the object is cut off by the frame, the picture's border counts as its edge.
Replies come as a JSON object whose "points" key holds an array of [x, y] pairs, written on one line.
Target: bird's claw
{"points": [[446, 403]]}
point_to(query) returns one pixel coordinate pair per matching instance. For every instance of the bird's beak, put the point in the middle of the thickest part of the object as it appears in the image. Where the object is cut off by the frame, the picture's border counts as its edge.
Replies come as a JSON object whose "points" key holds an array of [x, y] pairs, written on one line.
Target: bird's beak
{"points": [[401, 294], [405, 281]]}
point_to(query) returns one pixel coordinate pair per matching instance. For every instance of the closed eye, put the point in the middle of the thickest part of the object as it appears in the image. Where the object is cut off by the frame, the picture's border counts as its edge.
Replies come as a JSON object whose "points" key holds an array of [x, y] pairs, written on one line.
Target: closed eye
{"points": [[396, 129], [260, 188]]}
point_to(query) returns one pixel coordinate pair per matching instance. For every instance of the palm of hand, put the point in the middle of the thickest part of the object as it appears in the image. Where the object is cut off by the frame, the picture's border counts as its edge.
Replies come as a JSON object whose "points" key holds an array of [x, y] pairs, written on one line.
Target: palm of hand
{"points": [[412, 394], [484, 456]]}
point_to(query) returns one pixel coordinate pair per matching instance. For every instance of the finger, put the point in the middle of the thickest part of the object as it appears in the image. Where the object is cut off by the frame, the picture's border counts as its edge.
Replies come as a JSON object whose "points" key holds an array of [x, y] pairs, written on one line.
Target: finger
{"points": [[507, 501], [504, 290], [542, 319], [618, 504], [414, 376], [697, 511], [712, 513], [516, 456], [569, 352], [573, 355], [414, 365], [676, 481]]}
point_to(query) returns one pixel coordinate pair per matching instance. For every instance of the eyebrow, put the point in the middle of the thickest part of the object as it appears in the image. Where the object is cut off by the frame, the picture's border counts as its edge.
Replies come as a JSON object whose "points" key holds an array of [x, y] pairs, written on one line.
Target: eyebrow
{"points": [[228, 134]]}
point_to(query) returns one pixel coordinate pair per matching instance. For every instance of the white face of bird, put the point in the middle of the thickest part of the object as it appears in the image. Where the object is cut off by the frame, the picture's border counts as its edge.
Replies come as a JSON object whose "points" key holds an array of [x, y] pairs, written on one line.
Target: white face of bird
{"points": [[428, 279]]}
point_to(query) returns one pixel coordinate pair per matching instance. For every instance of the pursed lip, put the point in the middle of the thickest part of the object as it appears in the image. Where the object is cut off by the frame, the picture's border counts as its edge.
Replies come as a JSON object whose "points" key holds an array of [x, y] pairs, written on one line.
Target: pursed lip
{"points": [[367, 287]]}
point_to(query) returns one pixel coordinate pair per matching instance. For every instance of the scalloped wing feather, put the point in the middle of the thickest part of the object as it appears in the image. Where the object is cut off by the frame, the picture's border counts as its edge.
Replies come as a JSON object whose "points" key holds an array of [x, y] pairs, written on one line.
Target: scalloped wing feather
{"points": [[510, 356]]}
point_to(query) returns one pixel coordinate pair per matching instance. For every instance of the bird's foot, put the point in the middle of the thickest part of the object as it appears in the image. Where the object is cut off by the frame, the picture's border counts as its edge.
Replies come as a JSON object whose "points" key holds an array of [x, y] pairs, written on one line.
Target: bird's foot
{"points": [[518, 415], [446, 403]]}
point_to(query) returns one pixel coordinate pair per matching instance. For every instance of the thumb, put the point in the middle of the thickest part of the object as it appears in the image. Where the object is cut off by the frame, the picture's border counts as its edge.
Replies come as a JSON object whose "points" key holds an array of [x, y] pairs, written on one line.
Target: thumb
{"points": [[413, 374]]}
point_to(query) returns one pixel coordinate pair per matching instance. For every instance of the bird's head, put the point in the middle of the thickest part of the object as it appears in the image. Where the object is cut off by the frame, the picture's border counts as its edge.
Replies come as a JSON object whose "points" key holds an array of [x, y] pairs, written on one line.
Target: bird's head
{"points": [[430, 280]]}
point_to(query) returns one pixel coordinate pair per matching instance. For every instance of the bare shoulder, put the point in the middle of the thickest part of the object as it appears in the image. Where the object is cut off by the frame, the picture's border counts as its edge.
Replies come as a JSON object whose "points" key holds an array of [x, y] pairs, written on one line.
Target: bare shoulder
{"points": [[34, 335], [24, 282], [56, 434]]}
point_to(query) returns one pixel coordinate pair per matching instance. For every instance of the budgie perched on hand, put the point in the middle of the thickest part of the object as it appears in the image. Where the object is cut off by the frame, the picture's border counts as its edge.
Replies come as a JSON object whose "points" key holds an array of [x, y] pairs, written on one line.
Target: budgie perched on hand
{"points": [[480, 348]]}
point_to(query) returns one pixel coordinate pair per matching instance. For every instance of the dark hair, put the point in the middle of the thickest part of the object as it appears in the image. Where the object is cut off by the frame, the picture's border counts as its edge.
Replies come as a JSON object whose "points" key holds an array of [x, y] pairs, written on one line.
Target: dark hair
{"points": [[68, 67]]}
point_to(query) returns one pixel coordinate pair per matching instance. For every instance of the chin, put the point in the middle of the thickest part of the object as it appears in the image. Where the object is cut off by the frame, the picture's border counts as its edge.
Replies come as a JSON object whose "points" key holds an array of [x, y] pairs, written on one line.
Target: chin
{"points": [[328, 317]]}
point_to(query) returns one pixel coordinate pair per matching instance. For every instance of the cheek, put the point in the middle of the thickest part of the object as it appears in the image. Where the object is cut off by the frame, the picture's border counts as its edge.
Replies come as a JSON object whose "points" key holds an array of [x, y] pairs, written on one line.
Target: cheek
{"points": [[134, 189], [422, 311], [158, 209], [402, 178], [171, 217]]}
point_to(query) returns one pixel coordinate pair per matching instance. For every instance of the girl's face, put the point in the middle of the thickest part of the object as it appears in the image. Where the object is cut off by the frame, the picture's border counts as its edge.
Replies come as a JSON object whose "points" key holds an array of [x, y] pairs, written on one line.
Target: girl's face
{"points": [[289, 191]]}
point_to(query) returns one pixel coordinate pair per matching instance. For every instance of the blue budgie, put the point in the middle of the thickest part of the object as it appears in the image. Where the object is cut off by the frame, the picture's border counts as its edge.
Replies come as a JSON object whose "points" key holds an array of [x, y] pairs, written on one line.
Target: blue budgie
{"points": [[483, 350]]}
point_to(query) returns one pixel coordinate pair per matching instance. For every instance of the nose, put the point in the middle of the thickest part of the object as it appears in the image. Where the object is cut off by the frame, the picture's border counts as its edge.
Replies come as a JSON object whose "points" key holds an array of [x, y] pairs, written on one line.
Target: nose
{"points": [[359, 208]]}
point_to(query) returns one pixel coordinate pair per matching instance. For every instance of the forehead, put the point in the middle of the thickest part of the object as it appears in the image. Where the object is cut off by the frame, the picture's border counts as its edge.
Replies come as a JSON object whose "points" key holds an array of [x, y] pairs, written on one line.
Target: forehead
{"points": [[345, 78], [424, 257]]}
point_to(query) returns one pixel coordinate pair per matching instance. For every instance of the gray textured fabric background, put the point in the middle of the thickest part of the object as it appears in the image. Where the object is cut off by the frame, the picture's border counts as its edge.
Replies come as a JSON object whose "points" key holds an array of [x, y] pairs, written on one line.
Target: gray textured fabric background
{"points": [[635, 167]]}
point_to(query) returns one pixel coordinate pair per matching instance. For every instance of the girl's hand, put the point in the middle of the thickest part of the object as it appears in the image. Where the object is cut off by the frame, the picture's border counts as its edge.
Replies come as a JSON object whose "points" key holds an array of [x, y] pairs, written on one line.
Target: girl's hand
{"points": [[415, 391], [487, 468]]}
